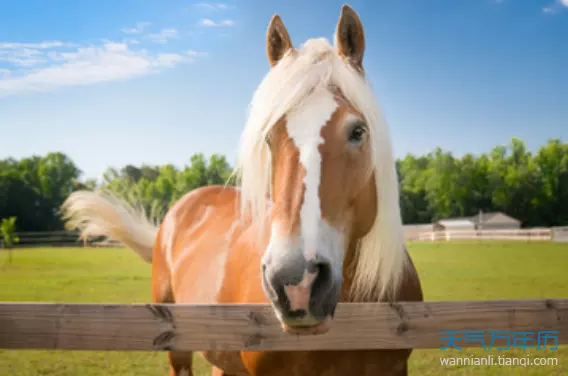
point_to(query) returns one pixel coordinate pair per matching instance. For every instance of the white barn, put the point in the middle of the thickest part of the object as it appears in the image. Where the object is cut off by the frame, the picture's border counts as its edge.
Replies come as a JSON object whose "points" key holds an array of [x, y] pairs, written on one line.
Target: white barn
{"points": [[481, 221]]}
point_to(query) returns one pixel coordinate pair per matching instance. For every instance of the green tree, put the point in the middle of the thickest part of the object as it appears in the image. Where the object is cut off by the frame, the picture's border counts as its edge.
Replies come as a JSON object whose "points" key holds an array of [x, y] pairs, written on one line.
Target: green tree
{"points": [[149, 173], [8, 228], [412, 176], [515, 182], [157, 188], [442, 192], [192, 176], [533, 188], [551, 163], [18, 198], [131, 172], [218, 170]]}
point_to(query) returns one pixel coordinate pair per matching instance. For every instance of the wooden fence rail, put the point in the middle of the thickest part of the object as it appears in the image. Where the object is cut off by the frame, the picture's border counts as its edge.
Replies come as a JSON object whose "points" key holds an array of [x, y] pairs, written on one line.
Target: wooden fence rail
{"points": [[161, 327]]}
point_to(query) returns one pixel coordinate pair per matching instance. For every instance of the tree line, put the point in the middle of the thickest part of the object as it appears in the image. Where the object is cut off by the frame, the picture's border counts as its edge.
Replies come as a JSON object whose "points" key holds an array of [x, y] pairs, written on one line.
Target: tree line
{"points": [[530, 187], [34, 188]]}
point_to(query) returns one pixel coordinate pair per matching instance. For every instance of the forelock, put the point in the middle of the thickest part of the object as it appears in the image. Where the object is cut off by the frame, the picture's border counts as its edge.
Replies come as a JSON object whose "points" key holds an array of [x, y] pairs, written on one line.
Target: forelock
{"points": [[301, 72]]}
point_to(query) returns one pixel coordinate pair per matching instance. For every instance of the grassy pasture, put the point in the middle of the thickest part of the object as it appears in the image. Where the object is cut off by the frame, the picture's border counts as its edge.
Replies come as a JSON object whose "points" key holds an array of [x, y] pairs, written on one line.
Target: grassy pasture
{"points": [[449, 271]]}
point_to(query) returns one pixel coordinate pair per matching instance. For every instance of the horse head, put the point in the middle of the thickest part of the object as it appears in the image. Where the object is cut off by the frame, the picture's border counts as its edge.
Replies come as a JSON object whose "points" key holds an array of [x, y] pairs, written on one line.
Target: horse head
{"points": [[316, 163]]}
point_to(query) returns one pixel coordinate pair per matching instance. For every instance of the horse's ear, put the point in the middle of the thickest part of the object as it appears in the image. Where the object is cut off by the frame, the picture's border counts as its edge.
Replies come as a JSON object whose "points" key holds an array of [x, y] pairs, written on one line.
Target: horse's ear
{"points": [[349, 36], [278, 40]]}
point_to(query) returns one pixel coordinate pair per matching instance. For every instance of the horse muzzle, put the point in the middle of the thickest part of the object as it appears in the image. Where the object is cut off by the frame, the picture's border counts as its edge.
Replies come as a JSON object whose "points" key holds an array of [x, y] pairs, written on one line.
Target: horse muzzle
{"points": [[303, 293]]}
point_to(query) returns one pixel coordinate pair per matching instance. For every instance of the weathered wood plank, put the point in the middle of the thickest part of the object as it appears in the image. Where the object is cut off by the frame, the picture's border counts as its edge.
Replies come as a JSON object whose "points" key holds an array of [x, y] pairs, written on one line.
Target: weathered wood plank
{"points": [[254, 327]]}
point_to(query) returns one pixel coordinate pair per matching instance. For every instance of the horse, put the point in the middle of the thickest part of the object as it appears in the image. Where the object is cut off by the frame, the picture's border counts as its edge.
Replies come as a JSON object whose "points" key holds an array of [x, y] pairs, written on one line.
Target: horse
{"points": [[313, 221]]}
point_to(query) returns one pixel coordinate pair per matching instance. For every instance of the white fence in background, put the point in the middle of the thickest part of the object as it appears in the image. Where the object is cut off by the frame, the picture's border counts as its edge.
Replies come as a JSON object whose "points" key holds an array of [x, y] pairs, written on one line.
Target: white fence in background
{"points": [[532, 234], [560, 234]]}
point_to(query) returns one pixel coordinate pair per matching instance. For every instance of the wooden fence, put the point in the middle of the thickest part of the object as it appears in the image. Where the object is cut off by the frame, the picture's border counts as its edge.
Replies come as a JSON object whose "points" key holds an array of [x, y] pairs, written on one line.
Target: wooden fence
{"points": [[160, 327]]}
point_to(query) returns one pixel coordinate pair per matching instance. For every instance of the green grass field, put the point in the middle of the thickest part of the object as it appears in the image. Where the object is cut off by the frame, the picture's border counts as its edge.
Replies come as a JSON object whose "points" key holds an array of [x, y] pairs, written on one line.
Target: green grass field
{"points": [[449, 271]]}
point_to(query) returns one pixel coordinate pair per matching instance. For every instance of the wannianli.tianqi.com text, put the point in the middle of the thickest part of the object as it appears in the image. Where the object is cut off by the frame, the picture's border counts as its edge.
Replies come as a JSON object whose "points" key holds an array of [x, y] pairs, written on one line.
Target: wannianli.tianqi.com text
{"points": [[499, 360]]}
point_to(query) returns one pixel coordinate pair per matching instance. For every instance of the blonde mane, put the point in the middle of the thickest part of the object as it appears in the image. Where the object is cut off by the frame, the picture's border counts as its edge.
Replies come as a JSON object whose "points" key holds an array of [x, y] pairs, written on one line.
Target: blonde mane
{"points": [[381, 256]]}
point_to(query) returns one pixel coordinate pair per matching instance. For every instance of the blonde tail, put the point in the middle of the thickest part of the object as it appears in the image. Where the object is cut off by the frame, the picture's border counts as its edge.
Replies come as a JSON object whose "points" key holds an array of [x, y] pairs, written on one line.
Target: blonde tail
{"points": [[102, 214]]}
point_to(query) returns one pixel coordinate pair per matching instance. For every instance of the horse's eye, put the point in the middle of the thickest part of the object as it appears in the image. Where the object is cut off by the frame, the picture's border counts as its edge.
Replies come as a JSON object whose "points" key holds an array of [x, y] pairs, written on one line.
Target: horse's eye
{"points": [[356, 134]]}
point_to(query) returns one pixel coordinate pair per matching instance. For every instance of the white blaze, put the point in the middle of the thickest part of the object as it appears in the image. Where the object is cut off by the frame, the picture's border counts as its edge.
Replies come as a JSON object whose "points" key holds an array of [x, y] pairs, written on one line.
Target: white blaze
{"points": [[304, 125]]}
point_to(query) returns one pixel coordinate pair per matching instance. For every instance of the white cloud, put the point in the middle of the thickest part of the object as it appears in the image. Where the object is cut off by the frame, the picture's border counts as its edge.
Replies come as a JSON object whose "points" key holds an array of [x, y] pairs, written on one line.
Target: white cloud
{"points": [[555, 7], [40, 45], [87, 65], [163, 36], [168, 60], [28, 54], [548, 10], [206, 22], [194, 53], [140, 26], [25, 57], [213, 6], [49, 65]]}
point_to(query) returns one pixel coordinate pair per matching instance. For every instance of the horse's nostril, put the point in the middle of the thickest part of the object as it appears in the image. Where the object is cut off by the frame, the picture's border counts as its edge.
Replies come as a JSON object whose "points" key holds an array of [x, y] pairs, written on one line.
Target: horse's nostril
{"points": [[318, 267], [323, 280], [324, 292], [313, 267]]}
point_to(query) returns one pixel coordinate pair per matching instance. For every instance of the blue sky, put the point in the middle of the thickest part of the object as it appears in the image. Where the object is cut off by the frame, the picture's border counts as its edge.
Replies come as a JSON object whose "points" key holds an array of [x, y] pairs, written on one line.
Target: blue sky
{"points": [[111, 82]]}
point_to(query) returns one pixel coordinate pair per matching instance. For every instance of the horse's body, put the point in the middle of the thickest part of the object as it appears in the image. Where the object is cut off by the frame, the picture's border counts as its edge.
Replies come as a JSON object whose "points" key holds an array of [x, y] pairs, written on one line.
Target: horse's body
{"points": [[326, 231], [215, 260]]}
